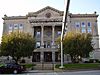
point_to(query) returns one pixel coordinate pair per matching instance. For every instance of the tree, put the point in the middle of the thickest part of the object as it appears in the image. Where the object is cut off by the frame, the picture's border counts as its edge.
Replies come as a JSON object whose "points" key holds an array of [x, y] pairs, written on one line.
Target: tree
{"points": [[77, 45], [17, 44]]}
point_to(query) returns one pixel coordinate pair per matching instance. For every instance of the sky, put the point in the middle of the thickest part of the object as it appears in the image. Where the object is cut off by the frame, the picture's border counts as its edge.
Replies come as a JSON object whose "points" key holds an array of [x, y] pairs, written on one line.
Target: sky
{"points": [[22, 7]]}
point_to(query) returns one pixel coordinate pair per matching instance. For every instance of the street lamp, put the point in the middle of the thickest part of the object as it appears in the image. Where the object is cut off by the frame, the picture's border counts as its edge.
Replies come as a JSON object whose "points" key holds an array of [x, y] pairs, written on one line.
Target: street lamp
{"points": [[67, 2]]}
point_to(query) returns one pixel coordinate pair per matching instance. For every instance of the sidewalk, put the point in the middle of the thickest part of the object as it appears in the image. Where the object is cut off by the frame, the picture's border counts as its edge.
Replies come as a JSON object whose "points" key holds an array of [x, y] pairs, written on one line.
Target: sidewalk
{"points": [[39, 71], [60, 70]]}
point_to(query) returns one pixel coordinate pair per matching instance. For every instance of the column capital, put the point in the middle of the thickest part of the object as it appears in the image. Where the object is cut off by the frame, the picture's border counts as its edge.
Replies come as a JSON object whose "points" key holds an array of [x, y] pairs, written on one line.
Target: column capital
{"points": [[42, 26], [53, 26]]}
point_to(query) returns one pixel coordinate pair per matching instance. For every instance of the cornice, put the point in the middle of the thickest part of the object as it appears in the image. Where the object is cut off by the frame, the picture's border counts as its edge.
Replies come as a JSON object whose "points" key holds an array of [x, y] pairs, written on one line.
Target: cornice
{"points": [[83, 15], [14, 17]]}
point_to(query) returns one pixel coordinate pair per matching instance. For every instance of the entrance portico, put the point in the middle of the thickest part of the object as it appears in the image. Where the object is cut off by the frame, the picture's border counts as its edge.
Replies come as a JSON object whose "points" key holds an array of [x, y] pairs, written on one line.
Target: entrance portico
{"points": [[45, 56]]}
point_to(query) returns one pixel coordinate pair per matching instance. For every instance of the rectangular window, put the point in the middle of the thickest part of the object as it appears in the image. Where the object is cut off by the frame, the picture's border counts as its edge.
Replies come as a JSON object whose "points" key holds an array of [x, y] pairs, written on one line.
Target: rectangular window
{"points": [[83, 30], [59, 33], [77, 24], [15, 26], [10, 26], [38, 34], [83, 24], [38, 44], [20, 26], [89, 24], [89, 30]]}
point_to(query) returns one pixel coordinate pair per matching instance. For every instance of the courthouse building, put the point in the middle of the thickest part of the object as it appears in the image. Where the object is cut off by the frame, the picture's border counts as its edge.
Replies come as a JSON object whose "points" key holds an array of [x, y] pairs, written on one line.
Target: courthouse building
{"points": [[46, 26]]}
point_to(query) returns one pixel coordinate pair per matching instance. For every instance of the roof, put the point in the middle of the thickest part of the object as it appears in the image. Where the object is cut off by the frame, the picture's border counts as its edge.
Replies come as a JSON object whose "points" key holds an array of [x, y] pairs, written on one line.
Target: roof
{"points": [[43, 9], [34, 14]]}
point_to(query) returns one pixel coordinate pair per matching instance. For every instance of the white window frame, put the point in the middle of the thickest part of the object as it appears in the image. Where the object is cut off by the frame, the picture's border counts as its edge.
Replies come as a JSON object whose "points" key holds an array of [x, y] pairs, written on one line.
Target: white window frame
{"points": [[83, 30], [21, 26], [77, 23], [10, 26], [83, 25], [89, 30], [38, 44], [15, 26], [88, 25]]}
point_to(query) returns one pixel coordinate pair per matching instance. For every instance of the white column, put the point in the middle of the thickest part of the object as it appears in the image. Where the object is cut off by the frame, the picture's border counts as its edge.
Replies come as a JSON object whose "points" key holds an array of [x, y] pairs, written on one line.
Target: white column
{"points": [[42, 56], [33, 31], [42, 31], [53, 36], [53, 57]]}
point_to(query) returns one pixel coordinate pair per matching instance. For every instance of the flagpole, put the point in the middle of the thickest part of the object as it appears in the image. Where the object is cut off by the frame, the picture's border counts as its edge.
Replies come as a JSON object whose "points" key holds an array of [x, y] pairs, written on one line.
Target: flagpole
{"points": [[67, 2]]}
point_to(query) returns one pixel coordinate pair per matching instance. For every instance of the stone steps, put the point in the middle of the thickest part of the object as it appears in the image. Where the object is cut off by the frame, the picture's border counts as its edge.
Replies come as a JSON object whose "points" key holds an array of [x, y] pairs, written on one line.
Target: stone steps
{"points": [[44, 67]]}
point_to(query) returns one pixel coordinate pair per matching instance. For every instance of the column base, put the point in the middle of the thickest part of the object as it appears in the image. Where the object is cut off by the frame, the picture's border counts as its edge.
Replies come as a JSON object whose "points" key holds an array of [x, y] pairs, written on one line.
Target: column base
{"points": [[42, 46], [61, 67]]}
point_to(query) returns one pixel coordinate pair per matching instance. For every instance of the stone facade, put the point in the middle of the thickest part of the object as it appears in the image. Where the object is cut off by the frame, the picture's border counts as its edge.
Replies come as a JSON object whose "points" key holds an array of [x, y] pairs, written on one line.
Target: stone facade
{"points": [[46, 25]]}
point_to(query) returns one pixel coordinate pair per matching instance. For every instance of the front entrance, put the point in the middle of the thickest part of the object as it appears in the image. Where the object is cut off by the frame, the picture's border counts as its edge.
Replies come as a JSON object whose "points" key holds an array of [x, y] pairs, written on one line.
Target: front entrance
{"points": [[47, 56], [57, 57], [36, 57]]}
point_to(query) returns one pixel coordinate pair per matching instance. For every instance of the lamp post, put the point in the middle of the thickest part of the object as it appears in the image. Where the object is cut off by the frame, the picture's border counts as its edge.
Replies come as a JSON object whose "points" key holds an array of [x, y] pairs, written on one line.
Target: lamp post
{"points": [[67, 2]]}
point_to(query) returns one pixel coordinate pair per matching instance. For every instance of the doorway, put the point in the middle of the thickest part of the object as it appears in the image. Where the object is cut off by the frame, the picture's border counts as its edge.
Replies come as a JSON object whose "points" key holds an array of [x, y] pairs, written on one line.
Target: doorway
{"points": [[36, 57], [47, 56]]}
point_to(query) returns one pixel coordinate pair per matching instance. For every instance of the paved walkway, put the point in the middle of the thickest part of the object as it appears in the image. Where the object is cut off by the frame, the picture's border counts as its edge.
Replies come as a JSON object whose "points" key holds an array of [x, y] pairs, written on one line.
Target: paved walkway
{"points": [[44, 67], [50, 71], [39, 71], [93, 72]]}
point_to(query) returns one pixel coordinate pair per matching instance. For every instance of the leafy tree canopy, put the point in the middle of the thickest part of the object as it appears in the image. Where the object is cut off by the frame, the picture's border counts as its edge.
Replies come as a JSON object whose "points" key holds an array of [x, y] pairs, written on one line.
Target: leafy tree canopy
{"points": [[17, 44], [77, 44]]}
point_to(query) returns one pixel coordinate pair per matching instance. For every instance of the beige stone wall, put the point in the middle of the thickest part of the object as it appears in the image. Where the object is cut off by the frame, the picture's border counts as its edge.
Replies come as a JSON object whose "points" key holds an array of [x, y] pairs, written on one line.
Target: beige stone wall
{"points": [[26, 25]]}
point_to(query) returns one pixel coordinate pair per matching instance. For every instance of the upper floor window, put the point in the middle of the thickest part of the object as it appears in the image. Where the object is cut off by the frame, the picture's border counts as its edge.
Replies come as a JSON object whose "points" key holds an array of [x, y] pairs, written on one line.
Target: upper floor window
{"points": [[89, 24], [38, 44], [38, 34], [89, 30], [77, 24], [83, 24], [10, 26], [59, 33], [15, 26], [83, 30], [20, 26]]}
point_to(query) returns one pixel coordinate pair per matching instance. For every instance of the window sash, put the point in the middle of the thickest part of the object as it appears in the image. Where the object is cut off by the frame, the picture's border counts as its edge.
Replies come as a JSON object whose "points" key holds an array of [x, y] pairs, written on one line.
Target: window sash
{"points": [[83, 24], [15, 26]]}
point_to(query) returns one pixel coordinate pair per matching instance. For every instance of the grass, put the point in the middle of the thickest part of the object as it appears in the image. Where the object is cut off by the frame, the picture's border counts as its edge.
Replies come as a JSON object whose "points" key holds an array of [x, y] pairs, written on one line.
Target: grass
{"points": [[28, 65], [1, 65], [81, 66]]}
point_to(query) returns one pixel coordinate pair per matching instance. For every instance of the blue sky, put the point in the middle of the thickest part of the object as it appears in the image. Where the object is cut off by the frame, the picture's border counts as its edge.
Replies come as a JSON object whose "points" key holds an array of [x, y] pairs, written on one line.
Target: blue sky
{"points": [[22, 7]]}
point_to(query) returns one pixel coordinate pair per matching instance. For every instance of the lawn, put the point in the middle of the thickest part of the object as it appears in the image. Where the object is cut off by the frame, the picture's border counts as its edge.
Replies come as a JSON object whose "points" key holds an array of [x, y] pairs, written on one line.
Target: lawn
{"points": [[81, 66], [28, 65]]}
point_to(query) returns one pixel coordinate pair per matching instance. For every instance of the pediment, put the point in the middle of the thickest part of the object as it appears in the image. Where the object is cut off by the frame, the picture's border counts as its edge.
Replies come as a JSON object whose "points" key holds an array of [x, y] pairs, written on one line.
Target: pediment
{"points": [[46, 12]]}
